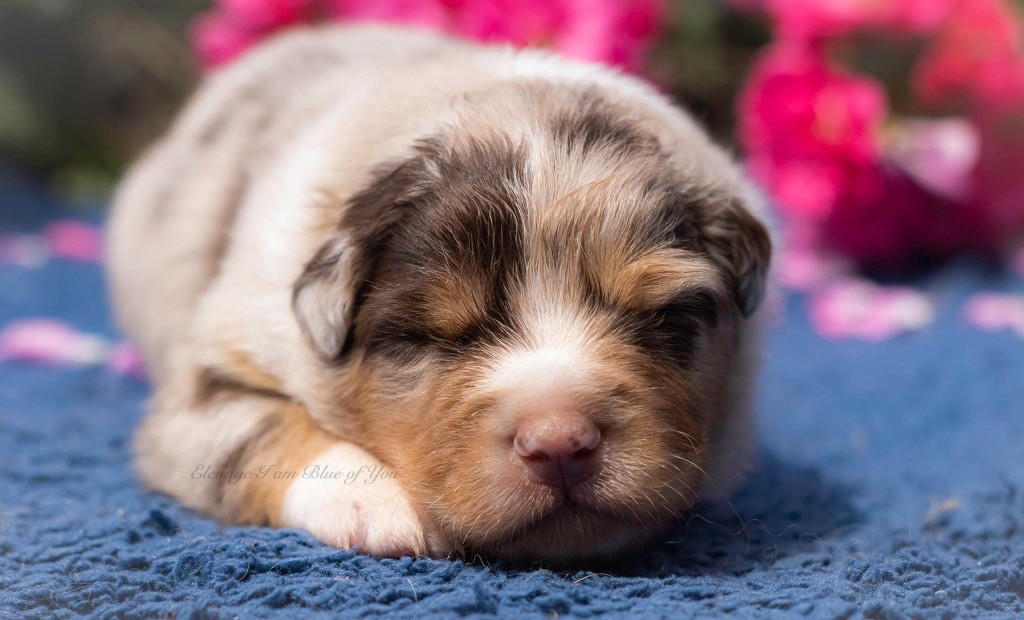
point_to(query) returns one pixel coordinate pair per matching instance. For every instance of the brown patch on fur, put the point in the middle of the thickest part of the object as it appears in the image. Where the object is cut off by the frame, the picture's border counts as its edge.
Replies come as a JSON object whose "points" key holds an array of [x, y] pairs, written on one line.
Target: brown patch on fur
{"points": [[286, 440], [656, 279], [460, 303], [238, 376], [436, 237]]}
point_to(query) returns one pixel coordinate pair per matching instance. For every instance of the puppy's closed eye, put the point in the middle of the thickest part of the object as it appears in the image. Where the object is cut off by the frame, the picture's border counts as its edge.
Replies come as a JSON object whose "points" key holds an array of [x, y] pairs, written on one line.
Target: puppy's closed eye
{"points": [[670, 331]]}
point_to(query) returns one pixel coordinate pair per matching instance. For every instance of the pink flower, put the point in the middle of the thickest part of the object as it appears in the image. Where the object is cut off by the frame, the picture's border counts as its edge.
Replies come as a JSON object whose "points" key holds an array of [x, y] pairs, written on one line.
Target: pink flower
{"points": [[51, 342], [218, 39], [75, 241], [224, 33], [999, 182], [977, 49], [939, 154], [996, 312], [265, 14], [805, 268], [817, 20], [820, 19], [904, 223], [126, 360], [429, 14], [918, 16], [612, 32], [854, 308], [810, 129]]}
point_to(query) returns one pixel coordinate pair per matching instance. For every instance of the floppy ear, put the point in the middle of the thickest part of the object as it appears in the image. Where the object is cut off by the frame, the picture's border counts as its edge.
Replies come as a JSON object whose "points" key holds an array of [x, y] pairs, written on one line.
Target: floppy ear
{"points": [[741, 246], [326, 297]]}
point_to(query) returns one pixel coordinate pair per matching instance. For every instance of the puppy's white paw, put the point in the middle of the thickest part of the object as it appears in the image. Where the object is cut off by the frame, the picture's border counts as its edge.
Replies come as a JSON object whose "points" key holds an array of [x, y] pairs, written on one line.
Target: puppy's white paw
{"points": [[345, 500]]}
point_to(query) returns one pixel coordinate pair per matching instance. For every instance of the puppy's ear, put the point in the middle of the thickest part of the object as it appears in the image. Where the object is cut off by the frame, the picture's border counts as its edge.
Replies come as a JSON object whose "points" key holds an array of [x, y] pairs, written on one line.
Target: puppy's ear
{"points": [[326, 296], [741, 246]]}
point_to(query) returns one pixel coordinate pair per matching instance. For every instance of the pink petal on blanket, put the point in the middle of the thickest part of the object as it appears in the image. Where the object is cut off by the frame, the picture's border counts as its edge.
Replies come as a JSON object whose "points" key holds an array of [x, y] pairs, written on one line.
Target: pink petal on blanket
{"points": [[75, 241], [802, 269], [852, 308], [49, 341], [23, 250], [125, 359], [996, 311]]}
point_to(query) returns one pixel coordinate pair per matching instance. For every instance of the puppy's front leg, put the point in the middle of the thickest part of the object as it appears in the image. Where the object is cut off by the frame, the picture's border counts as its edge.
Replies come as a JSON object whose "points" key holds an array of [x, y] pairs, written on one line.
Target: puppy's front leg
{"points": [[249, 455]]}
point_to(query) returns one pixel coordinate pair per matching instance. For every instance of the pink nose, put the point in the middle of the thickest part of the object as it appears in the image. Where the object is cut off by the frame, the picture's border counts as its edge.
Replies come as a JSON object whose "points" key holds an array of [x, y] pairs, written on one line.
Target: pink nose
{"points": [[558, 448]]}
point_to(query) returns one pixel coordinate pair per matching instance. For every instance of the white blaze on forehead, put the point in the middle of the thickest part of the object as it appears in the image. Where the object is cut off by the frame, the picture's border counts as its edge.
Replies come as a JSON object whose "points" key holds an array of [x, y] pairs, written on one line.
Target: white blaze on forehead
{"points": [[554, 356]]}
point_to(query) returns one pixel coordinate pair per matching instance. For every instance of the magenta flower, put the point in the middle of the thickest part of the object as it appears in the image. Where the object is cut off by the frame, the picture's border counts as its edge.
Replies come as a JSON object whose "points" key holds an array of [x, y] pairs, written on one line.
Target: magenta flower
{"points": [[428, 14], [218, 39], [817, 20], [810, 129], [614, 32], [939, 154], [264, 14], [74, 240], [126, 360], [975, 52]]}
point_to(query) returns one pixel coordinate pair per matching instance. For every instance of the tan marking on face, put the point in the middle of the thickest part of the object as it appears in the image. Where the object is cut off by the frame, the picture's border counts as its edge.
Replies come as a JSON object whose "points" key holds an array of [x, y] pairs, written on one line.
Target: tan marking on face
{"points": [[457, 302], [655, 279]]}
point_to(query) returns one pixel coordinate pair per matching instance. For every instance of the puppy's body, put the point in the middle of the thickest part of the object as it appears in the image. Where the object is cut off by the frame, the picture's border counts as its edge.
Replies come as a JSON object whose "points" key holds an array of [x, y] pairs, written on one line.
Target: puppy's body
{"points": [[363, 246]]}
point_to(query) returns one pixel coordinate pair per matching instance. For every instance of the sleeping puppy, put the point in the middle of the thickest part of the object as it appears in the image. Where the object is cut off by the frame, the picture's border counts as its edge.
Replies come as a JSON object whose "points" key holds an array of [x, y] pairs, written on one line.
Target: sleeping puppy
{"points": [[424, 297]]}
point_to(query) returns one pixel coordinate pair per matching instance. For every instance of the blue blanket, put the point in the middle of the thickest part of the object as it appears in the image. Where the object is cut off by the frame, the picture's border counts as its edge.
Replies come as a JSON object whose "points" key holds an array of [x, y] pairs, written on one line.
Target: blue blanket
{"points": [[890, 484]]}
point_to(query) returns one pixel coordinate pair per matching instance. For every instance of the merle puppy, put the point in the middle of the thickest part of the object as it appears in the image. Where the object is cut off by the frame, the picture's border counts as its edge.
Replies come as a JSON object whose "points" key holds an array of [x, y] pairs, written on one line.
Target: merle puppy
{"points": [[421, 296]]}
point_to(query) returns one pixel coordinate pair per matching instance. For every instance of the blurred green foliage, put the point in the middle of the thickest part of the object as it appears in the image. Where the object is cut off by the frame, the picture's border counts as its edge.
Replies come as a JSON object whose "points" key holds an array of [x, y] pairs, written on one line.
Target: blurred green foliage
{"points": [[704, 56], [85, 84]]}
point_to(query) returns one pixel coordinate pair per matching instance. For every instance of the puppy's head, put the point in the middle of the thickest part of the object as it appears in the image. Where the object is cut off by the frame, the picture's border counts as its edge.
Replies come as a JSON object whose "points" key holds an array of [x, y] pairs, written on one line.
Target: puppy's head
{"points": [[537, 329]]}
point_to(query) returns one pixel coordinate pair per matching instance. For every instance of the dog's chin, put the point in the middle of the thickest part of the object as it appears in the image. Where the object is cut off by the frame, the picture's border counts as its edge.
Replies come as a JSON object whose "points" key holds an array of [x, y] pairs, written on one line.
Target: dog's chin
{"points": [[570, 533]]}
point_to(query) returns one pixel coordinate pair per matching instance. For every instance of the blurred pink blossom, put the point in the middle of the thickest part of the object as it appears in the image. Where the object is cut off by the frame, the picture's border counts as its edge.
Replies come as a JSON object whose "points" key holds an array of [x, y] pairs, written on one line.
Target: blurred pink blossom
{"points": [[816, 20], [614, 32], [262, 14], [218, 39], [74, 240], [996, 312], [126, 360], [853, 308], [809, 128], [975, 52], [905, 223], [429, 14], [999, 180], [50, 341], [803, 268], [939, 154], [917, 16]]}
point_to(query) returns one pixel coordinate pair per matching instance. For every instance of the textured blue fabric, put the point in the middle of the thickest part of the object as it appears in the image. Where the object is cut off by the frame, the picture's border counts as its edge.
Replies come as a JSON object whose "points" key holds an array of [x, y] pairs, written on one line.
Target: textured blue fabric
{"points": [[891, 484]]}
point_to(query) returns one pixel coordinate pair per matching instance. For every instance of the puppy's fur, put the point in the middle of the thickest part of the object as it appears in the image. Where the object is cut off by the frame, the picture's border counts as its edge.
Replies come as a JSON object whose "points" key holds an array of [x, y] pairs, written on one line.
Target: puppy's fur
{"points": [[367, 247]]}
